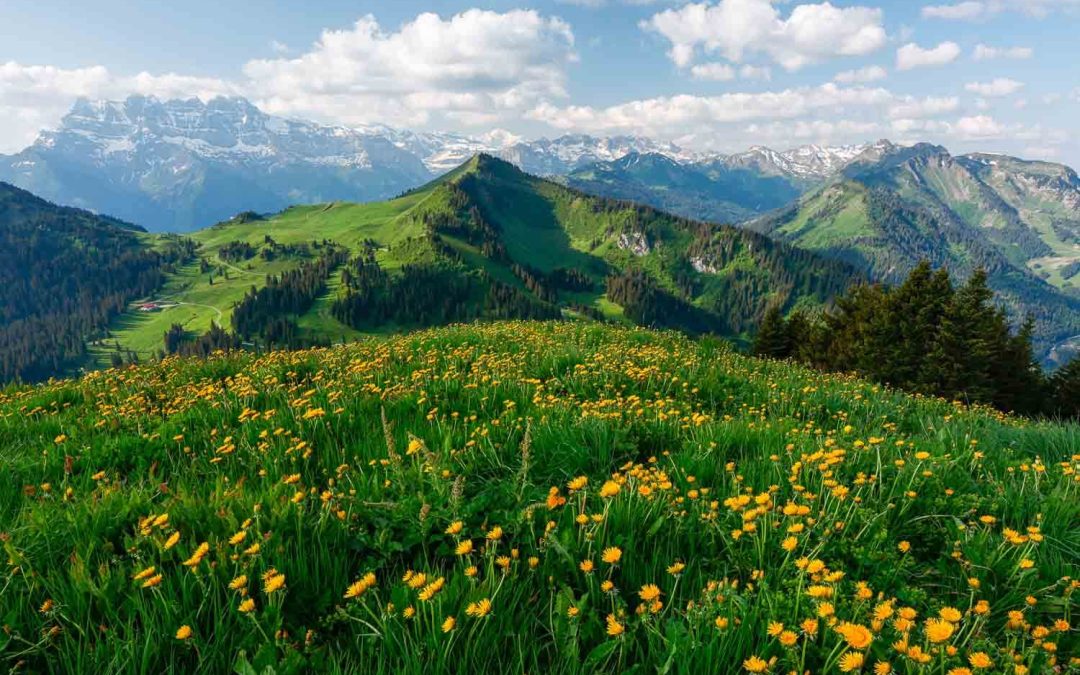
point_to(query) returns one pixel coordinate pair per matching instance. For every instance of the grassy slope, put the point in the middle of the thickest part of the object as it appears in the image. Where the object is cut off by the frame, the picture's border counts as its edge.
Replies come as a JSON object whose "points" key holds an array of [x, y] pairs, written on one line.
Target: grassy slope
{"points": [[542, 224], [288, 451], [344, 223]]}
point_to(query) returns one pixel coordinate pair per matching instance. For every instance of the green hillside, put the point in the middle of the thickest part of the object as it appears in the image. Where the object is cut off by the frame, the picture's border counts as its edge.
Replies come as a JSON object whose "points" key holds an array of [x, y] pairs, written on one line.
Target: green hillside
{"points": [[920, 203], [564, 498], [65, 274], [485, 241]]}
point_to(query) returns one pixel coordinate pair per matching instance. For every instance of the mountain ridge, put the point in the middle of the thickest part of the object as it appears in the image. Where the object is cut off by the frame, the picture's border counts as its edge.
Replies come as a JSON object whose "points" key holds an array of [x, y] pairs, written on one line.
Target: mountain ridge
{"points": [[180, 164], [921, 202]]}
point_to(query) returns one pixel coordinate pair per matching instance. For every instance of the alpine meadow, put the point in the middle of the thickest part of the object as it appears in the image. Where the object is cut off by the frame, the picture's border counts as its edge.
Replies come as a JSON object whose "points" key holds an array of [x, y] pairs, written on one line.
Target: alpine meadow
{"points": [[559, 337]]}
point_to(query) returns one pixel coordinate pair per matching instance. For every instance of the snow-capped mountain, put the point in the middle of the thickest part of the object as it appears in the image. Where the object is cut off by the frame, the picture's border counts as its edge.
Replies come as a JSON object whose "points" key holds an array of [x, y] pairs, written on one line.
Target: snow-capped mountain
{"points": [[550, 157], [183, 164], [809, 162]]}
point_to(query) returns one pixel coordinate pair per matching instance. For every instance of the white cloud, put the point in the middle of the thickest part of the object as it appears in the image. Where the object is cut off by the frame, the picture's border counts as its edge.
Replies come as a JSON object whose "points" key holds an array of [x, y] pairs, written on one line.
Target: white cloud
{"points": [[34, 97], [978, 126], [1001, 86], [736, 28], [975, 10], [910, 107], [279, 47], [593, 4], [749, 72], [867, 74], [664, 116], [962, 11], [912, 55], [719, 72], [474, 67], [985, 53]]}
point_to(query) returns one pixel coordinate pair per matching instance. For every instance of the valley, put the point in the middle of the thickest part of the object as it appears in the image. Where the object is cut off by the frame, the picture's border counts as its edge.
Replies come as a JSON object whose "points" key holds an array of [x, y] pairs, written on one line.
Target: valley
{"points": [[499, 230]]}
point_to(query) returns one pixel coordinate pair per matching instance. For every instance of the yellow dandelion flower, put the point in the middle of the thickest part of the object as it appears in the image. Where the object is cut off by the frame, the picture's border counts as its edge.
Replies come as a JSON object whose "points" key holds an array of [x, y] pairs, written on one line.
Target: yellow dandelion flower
{"points": [[755, 664], [980, 660], [611, 555], [479, 609], [448, 624], [247, 606], [609, 489], [465, 547], [649, 592], [148, 572], [578, 483], [950, 614], [273, 583], [614, 628], [856, 635], [939, 630], [183, 632], [851, 662]]}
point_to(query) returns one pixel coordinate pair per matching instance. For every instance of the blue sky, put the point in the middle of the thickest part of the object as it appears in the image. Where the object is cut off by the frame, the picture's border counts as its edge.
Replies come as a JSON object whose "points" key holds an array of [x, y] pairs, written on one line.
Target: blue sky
{"points": [[718, 75]]}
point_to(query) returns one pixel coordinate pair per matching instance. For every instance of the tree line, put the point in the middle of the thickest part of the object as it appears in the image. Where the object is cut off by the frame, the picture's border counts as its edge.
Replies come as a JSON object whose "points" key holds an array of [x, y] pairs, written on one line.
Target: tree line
{"points": [[64, 274], [265, 313], [927, 335]]}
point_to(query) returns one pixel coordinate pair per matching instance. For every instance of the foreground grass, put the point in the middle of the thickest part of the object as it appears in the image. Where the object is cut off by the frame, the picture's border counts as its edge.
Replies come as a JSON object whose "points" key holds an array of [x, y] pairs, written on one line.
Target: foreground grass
{"points": [[519, 497]]}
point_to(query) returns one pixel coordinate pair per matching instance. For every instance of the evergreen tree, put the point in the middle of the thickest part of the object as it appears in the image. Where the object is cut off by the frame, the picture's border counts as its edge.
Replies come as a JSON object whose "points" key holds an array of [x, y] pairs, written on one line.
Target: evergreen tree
{"points": [[1065, 390], [959, 364], [771, 340]]}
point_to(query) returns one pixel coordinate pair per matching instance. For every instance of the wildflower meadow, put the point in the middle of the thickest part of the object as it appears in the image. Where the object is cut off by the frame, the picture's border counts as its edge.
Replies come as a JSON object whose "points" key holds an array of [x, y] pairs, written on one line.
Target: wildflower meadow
{"points": [[528, 498]]}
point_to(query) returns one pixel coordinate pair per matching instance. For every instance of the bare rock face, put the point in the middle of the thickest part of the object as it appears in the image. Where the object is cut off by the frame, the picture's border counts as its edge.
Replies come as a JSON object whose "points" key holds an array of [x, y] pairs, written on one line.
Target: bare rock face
{"points": [[635, 242]]}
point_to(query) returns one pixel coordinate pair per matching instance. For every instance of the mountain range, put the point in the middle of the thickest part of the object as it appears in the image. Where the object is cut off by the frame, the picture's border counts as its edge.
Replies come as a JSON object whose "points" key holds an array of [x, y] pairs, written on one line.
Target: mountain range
{"points": [[874, 210], [179, 165], [483, 241], [1019, 220]]}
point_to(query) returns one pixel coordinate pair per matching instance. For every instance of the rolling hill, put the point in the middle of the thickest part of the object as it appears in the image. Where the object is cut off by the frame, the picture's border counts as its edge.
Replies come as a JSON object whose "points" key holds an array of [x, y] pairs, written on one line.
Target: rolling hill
{"points": [[484, 241], [65, 274], [1020, 220], [459, 499]]}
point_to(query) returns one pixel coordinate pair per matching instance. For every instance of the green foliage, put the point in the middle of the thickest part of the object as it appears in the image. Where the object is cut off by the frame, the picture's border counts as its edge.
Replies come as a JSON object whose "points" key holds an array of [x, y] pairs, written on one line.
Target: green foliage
{"points": [[549, 444], [64, 274], [924, 336]]}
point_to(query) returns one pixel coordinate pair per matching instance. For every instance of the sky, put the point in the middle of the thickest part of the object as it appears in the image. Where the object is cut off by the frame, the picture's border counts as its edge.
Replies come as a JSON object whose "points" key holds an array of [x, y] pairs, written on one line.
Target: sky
{"points": [[718, 75]]}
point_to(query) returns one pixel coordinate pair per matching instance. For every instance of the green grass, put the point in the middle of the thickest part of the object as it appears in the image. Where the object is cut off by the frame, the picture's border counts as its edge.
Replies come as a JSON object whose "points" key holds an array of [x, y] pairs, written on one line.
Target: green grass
{"points": [[198, 303], [835, 215], [747, 492]]}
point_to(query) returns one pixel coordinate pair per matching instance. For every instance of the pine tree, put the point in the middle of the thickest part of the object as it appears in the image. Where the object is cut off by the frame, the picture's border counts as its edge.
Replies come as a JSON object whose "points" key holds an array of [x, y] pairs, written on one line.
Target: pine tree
{"points": [[771, 340], [1065, 390], [1018, 380], [959, 365]]}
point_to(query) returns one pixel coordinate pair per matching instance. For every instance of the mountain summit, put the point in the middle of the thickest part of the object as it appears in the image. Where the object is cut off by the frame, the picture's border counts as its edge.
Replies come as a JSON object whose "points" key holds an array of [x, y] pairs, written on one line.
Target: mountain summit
{"points": [[178, 165], [174, 165]]}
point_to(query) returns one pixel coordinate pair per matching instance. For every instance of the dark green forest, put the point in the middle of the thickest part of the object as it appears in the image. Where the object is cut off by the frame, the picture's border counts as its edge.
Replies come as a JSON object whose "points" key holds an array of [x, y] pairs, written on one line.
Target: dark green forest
{"points": [[927, 335]]}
